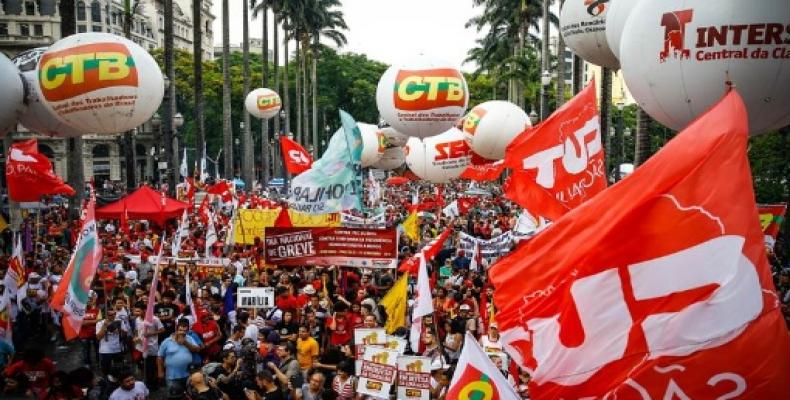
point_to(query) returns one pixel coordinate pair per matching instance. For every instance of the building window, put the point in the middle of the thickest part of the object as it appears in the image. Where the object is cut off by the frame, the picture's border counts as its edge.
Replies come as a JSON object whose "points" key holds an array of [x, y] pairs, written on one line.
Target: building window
{"points": [[96, 12], [30, 8], [38, 30], [96, 28], [81, 11], [46, 7], [3, 29], [24, 29], [81, 29]]}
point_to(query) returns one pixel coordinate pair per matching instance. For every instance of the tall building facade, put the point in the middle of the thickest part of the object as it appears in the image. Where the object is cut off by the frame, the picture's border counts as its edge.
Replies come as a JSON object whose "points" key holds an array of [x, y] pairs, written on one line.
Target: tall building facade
{"points": [[26, 24]]}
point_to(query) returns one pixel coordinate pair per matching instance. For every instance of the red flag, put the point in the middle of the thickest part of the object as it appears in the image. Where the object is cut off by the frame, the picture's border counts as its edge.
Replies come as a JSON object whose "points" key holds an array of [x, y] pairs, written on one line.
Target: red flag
{"points": [[431, 250], [771, 218], [190, 181], [203, 210], [297, 159], [124, 228], [558, 164], [465, 204], [658, 287], [29, 174], [484, 172], [223, 189], [283, 219]]}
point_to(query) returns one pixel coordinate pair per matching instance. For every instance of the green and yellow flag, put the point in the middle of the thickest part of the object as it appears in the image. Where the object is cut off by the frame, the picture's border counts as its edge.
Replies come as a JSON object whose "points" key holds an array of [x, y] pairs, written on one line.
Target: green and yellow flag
{"points": [[395, 302]]}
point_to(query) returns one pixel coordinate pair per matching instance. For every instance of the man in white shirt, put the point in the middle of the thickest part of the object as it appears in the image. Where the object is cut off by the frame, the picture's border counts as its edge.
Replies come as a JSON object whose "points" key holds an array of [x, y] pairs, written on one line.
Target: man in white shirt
{"points": [[109, 332], [129, 388], [146, 340]]}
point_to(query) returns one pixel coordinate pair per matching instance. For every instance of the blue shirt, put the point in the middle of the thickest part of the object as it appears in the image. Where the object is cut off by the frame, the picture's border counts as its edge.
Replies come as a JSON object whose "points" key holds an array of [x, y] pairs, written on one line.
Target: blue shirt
{"points": [[177, 358], [6, 352]]}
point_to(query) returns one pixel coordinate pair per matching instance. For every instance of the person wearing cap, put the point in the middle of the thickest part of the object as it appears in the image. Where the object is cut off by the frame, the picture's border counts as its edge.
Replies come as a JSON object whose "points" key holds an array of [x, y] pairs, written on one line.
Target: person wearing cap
{"points": [[209, 332], [491, 341]]}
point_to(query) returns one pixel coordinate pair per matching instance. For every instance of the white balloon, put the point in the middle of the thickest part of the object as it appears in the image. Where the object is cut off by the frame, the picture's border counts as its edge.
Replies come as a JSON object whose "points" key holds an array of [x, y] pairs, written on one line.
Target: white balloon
{"points": [[392, 158], [616, 16], [263, 103], [438, 159], [423, 97], [11, 102], [373, 144], [583, 26], [100, 83], [394, 138], [677, 56], [492, 125]]}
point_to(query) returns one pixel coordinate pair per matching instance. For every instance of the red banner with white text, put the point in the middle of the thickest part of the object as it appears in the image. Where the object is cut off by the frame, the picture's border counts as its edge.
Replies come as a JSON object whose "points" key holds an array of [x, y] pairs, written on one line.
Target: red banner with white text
{"points": [[350, 247]]}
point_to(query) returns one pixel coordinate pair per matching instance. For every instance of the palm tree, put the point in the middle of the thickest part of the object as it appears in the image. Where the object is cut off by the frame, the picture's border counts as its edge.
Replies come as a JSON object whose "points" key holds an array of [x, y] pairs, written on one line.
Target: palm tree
{"points": [[129, 10], [197, 56], [227, 133], [262, 9], [247, 156], [642, 142], [560, 67], [321, 20], [171, 154]]}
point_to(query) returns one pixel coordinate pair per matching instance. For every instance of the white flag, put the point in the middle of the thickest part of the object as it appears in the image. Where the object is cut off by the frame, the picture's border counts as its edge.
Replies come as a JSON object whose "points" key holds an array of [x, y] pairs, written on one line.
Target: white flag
{"points": [[15, 274], [423, 303], [452, 210], [474, 364], [181, 233], [211, 235], [184, 170]]}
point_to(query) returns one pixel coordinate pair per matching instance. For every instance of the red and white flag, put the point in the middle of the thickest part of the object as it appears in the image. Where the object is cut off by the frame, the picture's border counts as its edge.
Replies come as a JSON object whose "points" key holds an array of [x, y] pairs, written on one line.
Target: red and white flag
{"points": [[15, 275], [423, 303], [558, 164], [71, 296], [476, 377], [297, 159], [658, 287], [29, 174]]}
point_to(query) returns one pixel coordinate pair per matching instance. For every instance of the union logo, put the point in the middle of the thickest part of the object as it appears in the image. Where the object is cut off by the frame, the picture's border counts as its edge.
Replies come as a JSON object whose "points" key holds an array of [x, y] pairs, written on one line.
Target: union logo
{"points": [[417, 90], [473, 120], [83, 69], [595, 7], [674, 24], [268, 101]]}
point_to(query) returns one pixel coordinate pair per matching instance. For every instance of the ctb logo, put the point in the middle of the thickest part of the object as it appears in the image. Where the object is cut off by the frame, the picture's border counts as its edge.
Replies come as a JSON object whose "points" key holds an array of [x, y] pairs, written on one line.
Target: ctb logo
{"points": [[268, 101], [429, 89], [82, 69], [674, 24]]}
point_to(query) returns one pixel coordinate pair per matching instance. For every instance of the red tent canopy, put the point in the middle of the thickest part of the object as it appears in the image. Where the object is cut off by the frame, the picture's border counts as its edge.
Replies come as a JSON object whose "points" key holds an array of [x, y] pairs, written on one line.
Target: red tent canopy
{"points": [[144, 204]]}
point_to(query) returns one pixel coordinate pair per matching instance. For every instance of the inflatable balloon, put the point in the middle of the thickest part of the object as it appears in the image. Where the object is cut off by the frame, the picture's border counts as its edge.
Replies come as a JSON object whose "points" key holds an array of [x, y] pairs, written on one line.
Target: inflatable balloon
{"points": [[36, 117], [616, 15], [99, 83], [492, 125], [392, 158], [423, 97], [439, 158], [678, 56], [583, 26], [394, 138], [11, 102], [263, 103], [373, 144]]}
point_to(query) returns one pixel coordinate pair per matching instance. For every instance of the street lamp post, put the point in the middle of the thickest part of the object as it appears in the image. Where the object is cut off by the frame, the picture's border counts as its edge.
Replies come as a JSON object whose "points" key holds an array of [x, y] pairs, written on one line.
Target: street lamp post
{"points": [[616, 155], [545, 81], [176, 122], [533, 117]]}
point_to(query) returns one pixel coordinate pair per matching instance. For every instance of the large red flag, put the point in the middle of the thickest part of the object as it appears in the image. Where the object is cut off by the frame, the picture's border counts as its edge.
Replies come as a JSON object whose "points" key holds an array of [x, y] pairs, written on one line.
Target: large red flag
{"points": [[558, 164], [484, 172], [658, 287], [297, 159], [29, 174]]}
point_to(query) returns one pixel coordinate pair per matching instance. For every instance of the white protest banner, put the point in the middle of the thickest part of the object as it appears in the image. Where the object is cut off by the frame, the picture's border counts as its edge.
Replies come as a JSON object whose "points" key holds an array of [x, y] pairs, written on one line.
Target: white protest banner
{"points": [[414, 377], [379, 368], [352, 221], [492, 248], [255, 297]]}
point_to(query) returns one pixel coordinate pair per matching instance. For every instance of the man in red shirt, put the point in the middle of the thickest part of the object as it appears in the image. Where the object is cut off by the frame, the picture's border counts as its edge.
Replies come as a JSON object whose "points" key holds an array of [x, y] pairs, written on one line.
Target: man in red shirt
{"points": [[340, 326], [209, 332], [36, 368], [87, 333]]}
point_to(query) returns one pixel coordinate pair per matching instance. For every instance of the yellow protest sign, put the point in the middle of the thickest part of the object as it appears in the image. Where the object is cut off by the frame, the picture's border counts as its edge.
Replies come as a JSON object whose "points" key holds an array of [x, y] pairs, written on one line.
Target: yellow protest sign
{"points": [[250, 224]]}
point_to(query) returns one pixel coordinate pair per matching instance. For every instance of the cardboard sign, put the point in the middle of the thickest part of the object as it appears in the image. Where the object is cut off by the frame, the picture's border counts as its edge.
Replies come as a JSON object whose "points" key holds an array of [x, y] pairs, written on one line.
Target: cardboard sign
{"points": [[414, 377], [379, 368], [255, 297], [361, 248]]}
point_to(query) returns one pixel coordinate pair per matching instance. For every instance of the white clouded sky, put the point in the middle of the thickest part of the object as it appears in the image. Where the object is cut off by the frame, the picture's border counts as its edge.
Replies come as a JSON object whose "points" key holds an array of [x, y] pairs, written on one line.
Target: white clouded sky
{"points": [[389, 30]]}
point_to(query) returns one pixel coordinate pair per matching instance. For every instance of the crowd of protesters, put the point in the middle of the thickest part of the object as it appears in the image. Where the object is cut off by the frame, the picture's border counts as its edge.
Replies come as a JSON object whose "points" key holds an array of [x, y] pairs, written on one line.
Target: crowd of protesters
{"points": [[210, 349]]}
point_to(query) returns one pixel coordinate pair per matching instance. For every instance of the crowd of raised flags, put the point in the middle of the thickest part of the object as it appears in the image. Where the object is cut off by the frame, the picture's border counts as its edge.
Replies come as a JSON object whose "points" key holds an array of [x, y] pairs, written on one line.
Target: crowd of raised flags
{"points": [[664, 271]]}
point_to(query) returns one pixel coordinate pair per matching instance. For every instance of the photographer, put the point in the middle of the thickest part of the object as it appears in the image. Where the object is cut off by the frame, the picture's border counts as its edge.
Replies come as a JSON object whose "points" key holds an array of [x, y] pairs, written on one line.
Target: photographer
{"points": [[110, 332]]}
